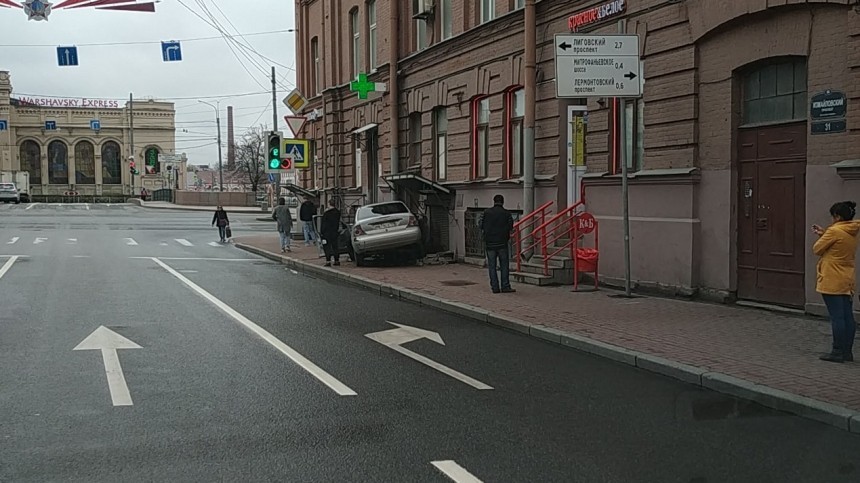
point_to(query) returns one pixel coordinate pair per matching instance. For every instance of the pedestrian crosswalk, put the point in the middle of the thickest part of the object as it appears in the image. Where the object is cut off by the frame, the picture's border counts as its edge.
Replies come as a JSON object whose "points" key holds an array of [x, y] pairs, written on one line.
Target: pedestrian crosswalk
{"points": [[126, 241]]}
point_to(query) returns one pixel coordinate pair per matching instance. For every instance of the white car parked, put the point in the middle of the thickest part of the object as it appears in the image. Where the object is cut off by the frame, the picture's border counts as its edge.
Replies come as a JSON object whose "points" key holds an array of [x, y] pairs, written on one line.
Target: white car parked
{"points": [[9, 193], [381, 228]]}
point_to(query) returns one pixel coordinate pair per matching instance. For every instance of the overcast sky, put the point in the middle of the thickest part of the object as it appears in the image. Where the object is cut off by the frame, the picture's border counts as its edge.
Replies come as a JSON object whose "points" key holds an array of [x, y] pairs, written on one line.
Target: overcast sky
{"points": [[208, 67]]}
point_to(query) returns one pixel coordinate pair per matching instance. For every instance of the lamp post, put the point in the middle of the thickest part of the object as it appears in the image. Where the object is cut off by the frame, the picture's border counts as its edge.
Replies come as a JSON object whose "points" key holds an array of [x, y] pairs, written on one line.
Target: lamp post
{"points": [[217, 107]]}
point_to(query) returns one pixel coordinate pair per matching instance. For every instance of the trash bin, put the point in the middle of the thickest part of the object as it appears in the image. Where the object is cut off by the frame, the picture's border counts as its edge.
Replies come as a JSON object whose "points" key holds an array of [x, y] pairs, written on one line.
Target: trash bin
{"points": [[586, 259], [264, 205]]}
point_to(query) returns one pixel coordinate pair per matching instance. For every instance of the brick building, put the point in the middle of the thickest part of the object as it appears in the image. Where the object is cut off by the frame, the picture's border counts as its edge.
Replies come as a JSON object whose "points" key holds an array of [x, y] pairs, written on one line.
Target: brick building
{"points": [[747, 130]]}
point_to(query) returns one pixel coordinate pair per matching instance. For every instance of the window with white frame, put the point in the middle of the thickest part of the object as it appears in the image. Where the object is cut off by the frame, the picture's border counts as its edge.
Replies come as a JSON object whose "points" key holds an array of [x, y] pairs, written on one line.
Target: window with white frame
{"points": [[420, 34], [316, 81], [446, 20], [488, 10], [355, 31], [440, 128], [371, 35], [415, 139], [519, 4], [516, 107], [481, 133]]}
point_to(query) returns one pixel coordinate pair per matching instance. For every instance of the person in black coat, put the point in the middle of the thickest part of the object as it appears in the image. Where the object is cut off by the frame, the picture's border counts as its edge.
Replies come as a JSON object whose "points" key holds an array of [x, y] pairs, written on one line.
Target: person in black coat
{"points": [[220, 218], [330, 231], [497, 223], [306, 215]]}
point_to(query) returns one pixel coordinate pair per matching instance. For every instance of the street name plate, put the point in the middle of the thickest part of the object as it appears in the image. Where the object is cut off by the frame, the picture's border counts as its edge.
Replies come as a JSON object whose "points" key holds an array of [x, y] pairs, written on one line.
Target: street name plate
{"points": [[597, 66]]}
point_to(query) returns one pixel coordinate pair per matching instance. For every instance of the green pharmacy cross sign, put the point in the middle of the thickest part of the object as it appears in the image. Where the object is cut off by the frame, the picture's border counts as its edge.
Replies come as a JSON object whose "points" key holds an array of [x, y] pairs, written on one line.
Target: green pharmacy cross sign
{"points": [[362, 86]]}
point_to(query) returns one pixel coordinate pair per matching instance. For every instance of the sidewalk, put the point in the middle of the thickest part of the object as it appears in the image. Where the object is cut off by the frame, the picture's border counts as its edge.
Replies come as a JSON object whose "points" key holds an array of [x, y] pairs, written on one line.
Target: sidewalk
{"points": [[766, 357], [165, 205]]}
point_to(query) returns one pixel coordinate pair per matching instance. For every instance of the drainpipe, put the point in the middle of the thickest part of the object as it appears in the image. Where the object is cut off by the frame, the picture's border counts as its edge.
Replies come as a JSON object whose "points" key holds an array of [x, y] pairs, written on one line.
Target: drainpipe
{"points": [[531, 100], [393, 87]]}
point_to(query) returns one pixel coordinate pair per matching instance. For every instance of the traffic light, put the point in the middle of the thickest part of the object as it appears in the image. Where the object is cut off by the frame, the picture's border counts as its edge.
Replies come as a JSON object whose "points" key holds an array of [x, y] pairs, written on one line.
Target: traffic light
{"points": [[274, 162]]}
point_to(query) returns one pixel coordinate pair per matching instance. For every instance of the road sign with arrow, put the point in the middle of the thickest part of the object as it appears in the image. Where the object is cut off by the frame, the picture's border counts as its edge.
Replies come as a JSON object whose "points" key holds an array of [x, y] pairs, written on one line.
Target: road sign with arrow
{"points": [[402, 334], [597, 65]]}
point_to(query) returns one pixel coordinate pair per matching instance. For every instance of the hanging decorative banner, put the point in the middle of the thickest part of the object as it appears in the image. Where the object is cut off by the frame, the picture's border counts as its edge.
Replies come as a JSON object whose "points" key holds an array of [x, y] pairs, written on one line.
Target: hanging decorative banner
{"points": [[40, 10]]}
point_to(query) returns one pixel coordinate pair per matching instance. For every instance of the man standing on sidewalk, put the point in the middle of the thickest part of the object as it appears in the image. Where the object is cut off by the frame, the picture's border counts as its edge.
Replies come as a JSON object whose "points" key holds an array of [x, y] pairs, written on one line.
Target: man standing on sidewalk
{"points": [[496, 225], [330, 231], [282, 215], [306, 215]]}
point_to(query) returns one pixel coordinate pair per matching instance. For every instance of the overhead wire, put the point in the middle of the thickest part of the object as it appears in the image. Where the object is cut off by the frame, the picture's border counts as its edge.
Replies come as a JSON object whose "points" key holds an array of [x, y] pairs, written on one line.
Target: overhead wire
{"points": [[144, 42]]}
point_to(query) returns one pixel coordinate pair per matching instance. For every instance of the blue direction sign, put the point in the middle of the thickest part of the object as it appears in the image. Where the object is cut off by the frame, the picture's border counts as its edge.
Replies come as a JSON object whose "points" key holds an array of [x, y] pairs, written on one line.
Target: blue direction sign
{"points": [[95, 124], [171, 51], [50, 125], [67, 56], [4, 124], [271, 177]]}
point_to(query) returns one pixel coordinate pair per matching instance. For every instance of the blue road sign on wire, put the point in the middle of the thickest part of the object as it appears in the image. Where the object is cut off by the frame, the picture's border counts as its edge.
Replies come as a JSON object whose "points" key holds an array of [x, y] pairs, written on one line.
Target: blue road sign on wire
{"points": [[171, 51], [50, 125], [67, 56], [271, 177], [4, 124], [95, 124]]}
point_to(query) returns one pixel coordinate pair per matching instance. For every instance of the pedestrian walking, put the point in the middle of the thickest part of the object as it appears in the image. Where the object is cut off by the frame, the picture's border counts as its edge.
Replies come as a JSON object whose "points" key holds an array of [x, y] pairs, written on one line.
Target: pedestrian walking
{"points": [[306, 216], [836, 248], [497, 223], [330, 231], [222, 221], [282, 215]]}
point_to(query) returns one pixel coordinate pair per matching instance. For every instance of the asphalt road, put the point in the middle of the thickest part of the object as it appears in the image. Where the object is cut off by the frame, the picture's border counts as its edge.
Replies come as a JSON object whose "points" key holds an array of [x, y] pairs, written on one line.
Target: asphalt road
{"points": [[247, 371]]}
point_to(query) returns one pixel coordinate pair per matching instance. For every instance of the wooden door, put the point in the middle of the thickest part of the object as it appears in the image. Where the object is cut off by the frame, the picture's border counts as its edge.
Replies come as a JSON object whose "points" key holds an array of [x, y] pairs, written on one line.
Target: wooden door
{"points": [[772, 214]]}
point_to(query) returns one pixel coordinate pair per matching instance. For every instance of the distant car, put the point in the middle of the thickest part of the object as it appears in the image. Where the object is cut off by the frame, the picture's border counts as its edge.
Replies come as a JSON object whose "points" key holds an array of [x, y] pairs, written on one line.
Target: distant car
{"points": [[9, 193], [383, 228]]}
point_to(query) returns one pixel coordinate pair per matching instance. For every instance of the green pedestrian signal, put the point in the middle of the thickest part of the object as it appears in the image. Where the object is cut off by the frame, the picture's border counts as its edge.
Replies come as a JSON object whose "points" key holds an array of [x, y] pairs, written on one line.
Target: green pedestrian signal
{"points": [[274, 150]]}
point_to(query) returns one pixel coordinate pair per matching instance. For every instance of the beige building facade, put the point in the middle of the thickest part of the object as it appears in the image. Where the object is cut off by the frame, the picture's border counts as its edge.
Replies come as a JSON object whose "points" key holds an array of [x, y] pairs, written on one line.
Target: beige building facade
{"points": [[84, 146]]}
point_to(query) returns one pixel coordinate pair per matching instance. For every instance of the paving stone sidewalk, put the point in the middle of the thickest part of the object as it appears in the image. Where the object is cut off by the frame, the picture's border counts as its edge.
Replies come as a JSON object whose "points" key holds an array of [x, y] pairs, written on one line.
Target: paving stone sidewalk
{"points": [[764, 348]]}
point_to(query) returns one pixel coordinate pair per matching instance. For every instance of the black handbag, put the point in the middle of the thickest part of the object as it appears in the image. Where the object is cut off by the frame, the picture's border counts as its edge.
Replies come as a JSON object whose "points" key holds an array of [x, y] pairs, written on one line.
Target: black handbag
{"points": [[229, 232]]}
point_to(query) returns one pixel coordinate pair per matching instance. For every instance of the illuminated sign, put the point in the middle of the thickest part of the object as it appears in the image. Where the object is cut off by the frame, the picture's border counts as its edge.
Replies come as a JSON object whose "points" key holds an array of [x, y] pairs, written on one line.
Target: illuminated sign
{"points": [[82, 103], [596, 14]]}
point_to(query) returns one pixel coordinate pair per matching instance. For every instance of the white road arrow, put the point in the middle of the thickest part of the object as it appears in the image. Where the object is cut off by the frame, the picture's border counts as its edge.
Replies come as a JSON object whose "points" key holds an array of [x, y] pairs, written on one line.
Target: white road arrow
{"points": [[395, 338], [109, 342]]}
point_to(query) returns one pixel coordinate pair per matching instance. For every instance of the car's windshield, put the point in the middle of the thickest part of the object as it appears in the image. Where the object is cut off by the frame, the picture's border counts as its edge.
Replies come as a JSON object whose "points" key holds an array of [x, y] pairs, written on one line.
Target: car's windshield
{"points": [[381, 209]]}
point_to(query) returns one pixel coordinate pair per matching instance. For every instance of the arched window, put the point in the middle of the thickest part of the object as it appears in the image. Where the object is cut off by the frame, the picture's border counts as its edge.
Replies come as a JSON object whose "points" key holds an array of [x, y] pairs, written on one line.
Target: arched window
{"points": [[31, 160], [111, 163], [58, 163], [151, 161], [85, 163], [775, 92]]}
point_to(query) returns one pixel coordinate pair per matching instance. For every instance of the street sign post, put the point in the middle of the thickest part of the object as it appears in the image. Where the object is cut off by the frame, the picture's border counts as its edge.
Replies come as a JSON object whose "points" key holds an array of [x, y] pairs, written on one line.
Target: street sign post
{"points": [[67, 56], [300, 151], [171, 51], [295, 123], [95, 125], [4, 124], [295, 102], [597, 65], [50, 125]]}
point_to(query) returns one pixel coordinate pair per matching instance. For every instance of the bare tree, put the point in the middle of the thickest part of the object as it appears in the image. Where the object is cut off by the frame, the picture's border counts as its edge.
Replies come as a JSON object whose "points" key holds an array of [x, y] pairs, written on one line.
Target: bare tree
{"points": [[251, 157]]}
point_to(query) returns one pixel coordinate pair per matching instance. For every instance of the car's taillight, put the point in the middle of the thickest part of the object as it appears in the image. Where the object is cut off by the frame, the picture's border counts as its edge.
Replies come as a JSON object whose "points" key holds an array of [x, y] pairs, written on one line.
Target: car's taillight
{"points": [[358, 231], [413, 221]]}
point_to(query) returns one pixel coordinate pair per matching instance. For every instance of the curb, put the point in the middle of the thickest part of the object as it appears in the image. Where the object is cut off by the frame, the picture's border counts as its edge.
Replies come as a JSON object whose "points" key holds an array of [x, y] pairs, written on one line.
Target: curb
{"points": [[831, 414]]}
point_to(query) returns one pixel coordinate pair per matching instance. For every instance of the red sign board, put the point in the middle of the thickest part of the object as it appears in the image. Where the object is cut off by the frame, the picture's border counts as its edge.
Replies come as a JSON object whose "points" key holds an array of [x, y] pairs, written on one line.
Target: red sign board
{"points": [[585, 223], [596, 14]]}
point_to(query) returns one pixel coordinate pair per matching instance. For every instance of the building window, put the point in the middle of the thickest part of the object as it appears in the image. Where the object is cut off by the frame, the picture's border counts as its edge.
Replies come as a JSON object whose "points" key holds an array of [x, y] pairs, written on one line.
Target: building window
{"points": [[111, 164], [371, 35], [315, 73], [775, 92], [415, 139], [356, 42], [634, 136], [481, 137], [85, 163], [420, 34], [446, 20], [440, 128], [58, 163], [519, 4], [488, 10], [150, 159], [31, 160], [515, 105]]}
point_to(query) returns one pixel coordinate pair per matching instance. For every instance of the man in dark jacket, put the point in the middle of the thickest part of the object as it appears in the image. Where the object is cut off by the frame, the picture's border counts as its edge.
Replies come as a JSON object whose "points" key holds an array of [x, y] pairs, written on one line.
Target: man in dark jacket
{"points": [[330, 231], [497, 223], [306, 215]]}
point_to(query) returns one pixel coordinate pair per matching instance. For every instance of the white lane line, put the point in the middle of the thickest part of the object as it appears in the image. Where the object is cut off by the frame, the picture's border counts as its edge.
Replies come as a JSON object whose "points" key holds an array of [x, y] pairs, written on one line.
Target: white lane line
{"points": [[39, 240], [183, 241], [13, 240], [130, 242], [201, 259], [215, 244], [6, 266], [316, 371], [455, 472], [31, 205], [72, 241], [164, 244]]}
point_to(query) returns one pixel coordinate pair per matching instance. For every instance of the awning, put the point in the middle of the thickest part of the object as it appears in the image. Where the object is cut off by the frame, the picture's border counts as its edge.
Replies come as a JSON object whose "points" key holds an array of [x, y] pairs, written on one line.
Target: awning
{"points": [[364, 128], [298, 190], [414, 182]]}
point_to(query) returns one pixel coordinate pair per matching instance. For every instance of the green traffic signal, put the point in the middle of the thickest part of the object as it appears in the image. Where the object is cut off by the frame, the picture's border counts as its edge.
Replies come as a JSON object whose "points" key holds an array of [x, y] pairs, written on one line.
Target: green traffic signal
{"points": [[274, 163]]}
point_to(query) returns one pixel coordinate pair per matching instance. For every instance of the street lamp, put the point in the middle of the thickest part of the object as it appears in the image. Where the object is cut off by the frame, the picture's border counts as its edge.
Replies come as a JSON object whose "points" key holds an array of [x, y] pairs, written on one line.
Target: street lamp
{"points": [[217, 108]]}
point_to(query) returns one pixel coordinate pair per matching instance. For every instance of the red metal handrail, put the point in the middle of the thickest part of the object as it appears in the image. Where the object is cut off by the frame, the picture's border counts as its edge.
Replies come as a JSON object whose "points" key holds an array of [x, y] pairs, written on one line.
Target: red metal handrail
{"points": [[526, 223], [546, 233]]}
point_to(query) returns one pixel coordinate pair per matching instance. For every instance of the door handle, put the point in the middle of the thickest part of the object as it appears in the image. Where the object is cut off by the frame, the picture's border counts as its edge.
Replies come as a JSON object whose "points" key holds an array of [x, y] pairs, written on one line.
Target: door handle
{"points": [[761, 223]]}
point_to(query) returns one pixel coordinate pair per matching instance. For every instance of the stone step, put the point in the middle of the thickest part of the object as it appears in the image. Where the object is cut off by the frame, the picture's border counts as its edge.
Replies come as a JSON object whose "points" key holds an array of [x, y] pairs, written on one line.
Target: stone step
{"points": [[532, 278]]}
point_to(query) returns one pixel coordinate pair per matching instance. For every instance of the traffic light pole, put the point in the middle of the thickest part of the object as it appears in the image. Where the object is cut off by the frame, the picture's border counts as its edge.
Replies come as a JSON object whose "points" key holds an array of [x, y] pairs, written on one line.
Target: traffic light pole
{"points": [[275, 129]]}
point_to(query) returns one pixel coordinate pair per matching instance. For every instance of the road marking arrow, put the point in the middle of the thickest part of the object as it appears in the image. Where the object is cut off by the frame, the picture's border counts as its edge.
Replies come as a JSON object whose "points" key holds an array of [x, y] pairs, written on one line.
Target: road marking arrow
{"points": [[109, 342], [395, 338], [39, 240], [455, 472]]}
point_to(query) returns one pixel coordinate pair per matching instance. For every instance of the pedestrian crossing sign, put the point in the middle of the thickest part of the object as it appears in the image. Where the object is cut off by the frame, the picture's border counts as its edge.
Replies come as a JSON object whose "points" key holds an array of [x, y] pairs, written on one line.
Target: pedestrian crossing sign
{"points": [[300, 150]]}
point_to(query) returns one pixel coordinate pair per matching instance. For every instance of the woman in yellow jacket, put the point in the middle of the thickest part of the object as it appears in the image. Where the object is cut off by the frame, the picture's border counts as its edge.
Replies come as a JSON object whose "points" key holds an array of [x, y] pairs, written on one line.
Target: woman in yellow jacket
{"points": [[836, 247]]}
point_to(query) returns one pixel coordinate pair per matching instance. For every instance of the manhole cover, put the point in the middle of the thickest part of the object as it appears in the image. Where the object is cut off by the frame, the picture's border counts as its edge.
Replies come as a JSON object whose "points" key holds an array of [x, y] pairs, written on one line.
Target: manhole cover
{"points": [[457, 283]]}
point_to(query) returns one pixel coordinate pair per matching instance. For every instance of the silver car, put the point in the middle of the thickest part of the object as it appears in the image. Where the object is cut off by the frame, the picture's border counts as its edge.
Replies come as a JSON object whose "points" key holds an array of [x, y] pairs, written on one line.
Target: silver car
{"points": [[385, 227], [9, 193]]}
